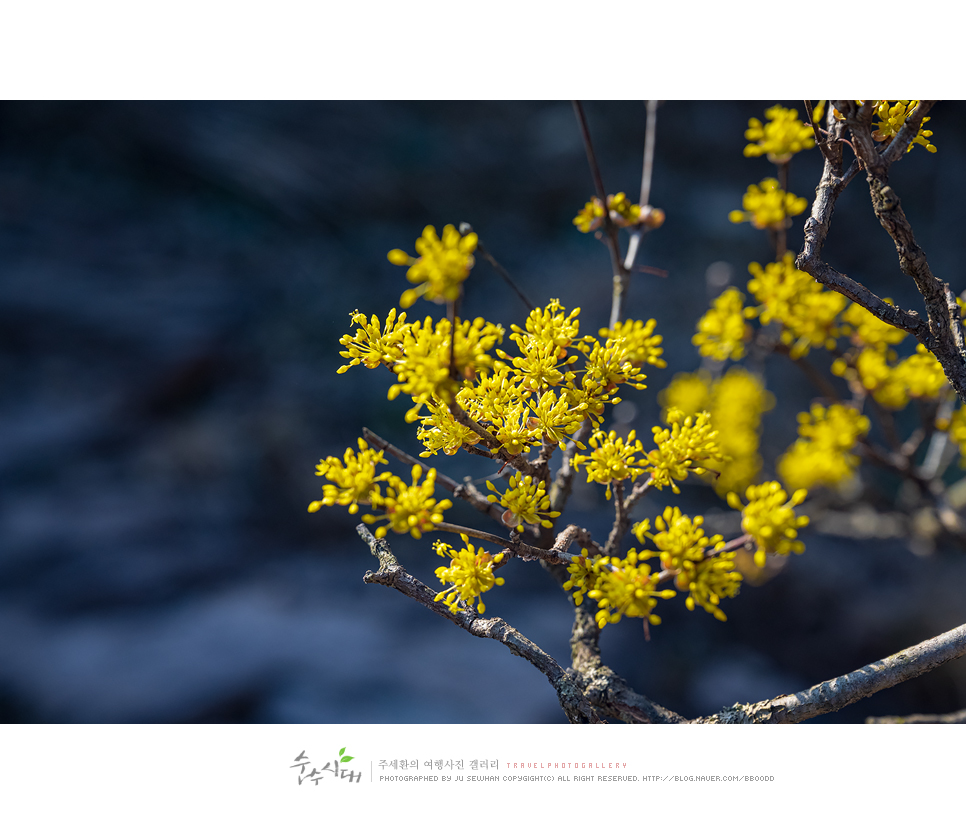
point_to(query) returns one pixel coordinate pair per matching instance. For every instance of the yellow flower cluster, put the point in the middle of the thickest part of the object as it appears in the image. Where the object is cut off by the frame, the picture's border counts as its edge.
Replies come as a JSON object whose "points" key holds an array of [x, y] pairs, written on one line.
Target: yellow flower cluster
{"points": [[722, 330], [419, 353], [736, 402], [823, 454], [781, 137], [891, 118], [526, 502], [806, 309], [626, 588], [874, 364], [470, 573], [769, 517], [441, 267], [892, 386], [700, 565], [407, 508], [642, 345], [591, 216], [766, 205], [611, 459], [867, 330], [623, 213], [688, 446], [353, 478]]}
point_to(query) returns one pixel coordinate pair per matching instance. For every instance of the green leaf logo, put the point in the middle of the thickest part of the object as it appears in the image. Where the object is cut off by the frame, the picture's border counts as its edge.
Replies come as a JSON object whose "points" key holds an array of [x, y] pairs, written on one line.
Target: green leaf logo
{"points": [[343, 757]]}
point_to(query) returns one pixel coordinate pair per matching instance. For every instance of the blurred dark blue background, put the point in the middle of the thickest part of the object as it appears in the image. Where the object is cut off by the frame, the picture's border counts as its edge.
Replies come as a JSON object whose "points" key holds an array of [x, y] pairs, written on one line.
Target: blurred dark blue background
{"points": [[174, 278]]}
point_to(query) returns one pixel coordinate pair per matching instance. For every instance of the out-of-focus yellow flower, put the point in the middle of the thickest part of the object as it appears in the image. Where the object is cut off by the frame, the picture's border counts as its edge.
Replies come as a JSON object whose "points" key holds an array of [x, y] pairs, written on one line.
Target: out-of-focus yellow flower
{"points": [[689, 392], [893, 384], [866, 329], [591, 216], [470, 571], [921, 374], [766, 205], [722, 329], [823, 454], [781, 137], [623, 211], [805, 308], [736, 402], [770, 518], [441, 267]]}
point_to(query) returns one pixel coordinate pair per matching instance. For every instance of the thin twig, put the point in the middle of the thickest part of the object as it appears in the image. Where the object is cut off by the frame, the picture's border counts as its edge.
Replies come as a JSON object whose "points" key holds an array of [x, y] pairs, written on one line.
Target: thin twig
{"points": [[621, 279], [466, 228]]}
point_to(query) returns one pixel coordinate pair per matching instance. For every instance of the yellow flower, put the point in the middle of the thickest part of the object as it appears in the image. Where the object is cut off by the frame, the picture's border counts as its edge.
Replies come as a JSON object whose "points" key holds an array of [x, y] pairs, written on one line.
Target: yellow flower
{"points": [[876, 375], [441, 267], [689, 392], [626, 589], [738, 401], [891, 119], [921, 375], [918, 376], [767, 206], [822, 455], [611, 459], [782, 137], [805, 308], [470, 571], [638, 340], [700, 566], [441, 431], [770, 518], [549, 325], [369, 345], [721, 331], [708, 581], [408, 508], [868, 330], [590, 217], [423, 368], [526, 502], [686, 447], [353, 478], [623, 211], [583, 575]]}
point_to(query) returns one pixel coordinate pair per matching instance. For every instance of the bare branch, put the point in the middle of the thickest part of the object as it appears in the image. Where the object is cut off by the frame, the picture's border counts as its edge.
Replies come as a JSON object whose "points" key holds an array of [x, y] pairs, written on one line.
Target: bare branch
{"points": [[575, 704], [838, 693]]}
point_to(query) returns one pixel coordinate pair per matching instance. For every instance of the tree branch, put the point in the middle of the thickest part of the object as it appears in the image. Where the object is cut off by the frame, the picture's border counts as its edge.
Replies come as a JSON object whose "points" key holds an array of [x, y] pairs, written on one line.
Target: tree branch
{"points": [[838, 693], [391, 574]]}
